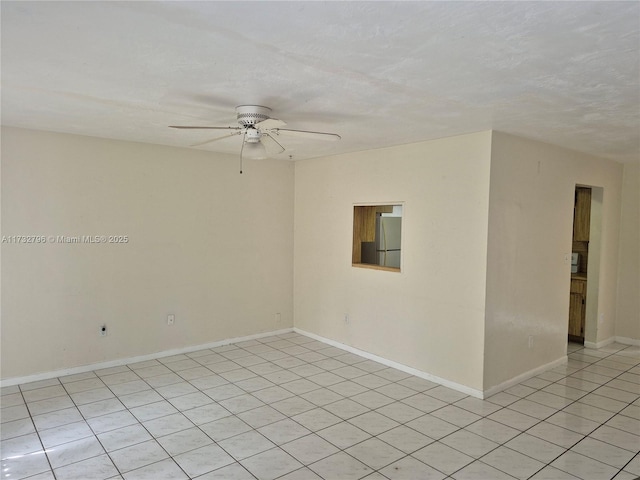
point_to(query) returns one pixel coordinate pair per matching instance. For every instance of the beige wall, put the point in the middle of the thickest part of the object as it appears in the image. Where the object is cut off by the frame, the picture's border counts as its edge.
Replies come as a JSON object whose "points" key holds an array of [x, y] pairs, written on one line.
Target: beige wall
{"points": [[530, 232], [209, 245], [487, 222], [628, 314], [430, 316]]}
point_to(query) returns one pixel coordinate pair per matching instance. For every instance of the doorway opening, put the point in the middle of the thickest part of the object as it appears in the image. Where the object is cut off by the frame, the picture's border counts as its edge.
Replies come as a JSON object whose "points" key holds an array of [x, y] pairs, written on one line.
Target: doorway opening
{"points": [[585, 265]]}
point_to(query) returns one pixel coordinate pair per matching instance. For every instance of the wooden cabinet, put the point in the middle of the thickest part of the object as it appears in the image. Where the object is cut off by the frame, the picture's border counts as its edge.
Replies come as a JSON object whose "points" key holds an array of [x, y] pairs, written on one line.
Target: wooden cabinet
{"points": [[582, 215], [577, 309]]}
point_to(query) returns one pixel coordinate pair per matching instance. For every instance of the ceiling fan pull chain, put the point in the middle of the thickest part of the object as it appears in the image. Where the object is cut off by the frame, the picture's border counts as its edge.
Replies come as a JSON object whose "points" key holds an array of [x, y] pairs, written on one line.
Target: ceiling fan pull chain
{"points": [[241, 149]]}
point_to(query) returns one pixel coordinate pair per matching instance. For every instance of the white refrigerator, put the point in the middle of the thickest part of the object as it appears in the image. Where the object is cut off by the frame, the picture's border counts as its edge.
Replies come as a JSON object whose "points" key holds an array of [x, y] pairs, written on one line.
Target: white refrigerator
{"points": [[388, 241]]}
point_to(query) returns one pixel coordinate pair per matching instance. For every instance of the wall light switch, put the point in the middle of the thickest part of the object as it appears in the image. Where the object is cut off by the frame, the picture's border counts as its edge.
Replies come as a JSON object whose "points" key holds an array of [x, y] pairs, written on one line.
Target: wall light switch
{"points": [[171, 319]]}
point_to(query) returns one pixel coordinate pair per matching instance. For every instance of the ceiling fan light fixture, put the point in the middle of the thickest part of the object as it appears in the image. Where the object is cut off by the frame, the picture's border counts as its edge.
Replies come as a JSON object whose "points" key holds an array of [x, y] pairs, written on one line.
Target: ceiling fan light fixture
{"points": [[254, 151]]}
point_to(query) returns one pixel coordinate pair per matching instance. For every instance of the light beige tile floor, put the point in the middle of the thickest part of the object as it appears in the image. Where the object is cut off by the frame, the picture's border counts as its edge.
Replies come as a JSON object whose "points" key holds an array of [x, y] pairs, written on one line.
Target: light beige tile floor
{"points": [[289, 407]]}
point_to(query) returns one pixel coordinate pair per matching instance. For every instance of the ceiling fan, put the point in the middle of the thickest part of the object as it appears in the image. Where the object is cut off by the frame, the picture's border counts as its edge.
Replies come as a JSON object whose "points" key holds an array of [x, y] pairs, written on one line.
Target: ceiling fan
{"points": [[260, 132]]}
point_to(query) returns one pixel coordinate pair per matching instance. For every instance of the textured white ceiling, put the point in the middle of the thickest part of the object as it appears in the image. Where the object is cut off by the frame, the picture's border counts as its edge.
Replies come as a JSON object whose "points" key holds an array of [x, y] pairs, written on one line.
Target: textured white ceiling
{"points": [[377, 73]]}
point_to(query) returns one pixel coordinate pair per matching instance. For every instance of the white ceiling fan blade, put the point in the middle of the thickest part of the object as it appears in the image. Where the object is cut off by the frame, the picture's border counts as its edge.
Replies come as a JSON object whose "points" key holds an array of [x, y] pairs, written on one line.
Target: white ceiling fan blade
{"points": [[216, 139], [272, 146], [269, 123], [204, 128], [306, 134]]}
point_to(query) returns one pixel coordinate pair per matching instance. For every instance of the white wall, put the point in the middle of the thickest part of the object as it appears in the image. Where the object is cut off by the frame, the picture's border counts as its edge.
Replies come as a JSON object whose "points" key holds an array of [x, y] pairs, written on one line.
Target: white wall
{"points": [[430, 316], [591, 328], [530, 231], [628, 305], [209, 245]]}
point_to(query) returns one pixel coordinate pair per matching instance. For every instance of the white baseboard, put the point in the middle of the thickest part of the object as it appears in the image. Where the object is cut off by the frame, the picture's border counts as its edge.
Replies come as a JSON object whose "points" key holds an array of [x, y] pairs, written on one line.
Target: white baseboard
{"points": [[600, 344], [126, 361], [524, 376], [628, 341], [390, 363], [610, 340], [442, 381]]}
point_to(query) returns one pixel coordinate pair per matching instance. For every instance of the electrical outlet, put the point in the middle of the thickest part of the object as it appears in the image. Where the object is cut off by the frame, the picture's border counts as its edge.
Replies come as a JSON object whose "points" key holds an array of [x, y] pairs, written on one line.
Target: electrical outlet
{"points": [[346, 318], [530, 341], [103, 331], [171, 319], [278, 318]]}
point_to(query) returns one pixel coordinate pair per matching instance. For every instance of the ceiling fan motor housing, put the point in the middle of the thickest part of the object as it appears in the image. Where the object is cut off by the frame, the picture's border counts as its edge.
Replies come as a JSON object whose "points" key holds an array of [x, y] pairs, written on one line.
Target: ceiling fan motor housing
{"points": [[251, 114]]}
